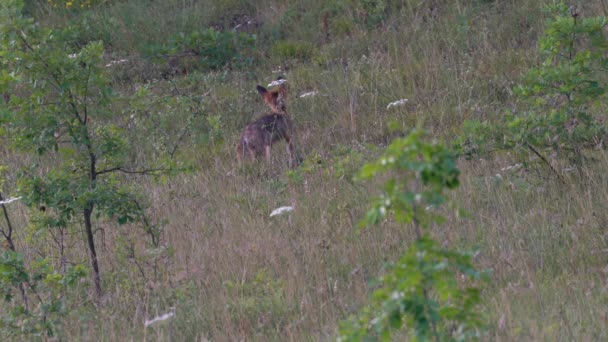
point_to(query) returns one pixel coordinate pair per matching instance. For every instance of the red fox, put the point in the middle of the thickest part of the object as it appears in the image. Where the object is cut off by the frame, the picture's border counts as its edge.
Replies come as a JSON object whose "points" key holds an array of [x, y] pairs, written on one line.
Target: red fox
{"points": [[257, 137]]}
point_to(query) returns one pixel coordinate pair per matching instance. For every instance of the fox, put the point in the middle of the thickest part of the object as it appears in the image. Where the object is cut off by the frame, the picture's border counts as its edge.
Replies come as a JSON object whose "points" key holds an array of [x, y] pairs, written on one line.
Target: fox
{"points": [[259, 136]]}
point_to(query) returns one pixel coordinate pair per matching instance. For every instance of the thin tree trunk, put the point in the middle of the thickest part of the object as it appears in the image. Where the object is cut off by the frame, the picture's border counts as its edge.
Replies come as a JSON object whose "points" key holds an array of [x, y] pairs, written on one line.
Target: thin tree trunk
{"points": [[11, 245], [425, 291], [88, 227]]}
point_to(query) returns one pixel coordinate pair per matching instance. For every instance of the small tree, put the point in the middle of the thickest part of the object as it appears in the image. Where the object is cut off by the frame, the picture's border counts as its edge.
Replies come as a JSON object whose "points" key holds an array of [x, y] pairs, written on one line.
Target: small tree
{"points": [[33, 296], [42, 292], [569, 83], [421, 292], [560, 96], [59, 107]]}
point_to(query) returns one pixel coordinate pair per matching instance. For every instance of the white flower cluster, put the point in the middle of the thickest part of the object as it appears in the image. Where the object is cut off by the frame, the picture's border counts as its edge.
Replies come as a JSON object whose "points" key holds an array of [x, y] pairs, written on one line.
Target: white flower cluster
{"points": [[281, 210], [389, 160], [120, 61], [397, 103], [161, 318], [10, 200], [569, 169], [277, 82], [512, 168], [311, 93]]}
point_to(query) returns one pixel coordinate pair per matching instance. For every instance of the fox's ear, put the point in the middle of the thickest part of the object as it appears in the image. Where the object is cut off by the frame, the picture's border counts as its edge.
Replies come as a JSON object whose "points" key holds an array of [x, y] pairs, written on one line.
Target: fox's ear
{"points": [[261, 89], [274, 96]]}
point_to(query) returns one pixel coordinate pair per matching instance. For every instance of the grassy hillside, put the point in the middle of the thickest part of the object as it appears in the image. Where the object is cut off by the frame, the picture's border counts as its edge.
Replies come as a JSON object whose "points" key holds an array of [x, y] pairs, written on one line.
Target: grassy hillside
{"points": [[227, 270]]}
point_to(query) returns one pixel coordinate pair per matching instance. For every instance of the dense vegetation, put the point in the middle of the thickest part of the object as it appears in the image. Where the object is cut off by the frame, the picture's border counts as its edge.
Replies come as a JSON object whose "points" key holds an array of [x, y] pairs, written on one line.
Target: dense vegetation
{"points": [[121, 200]]}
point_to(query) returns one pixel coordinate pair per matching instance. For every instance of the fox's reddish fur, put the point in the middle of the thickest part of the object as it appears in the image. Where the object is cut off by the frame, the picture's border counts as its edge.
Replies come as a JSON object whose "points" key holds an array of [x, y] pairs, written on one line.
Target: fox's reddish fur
{"points": [[257, 137]]}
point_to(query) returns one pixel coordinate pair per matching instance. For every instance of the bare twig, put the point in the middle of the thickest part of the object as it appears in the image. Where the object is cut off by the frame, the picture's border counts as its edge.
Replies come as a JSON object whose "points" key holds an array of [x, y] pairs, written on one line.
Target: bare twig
{"points": [[559, 176], [139, 172]]}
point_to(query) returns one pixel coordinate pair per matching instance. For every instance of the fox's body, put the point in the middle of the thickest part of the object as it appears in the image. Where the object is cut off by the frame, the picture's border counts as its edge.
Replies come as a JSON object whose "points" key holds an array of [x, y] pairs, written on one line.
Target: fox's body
{"points": [[257, 137]]}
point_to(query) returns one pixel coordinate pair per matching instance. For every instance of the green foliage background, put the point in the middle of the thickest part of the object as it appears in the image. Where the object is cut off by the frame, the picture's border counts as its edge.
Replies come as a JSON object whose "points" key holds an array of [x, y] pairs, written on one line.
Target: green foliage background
{"points": [[175, 87]]}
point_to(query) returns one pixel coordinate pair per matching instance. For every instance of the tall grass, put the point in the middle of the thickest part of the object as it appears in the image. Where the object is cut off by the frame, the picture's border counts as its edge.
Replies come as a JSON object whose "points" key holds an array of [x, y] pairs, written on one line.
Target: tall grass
{"points": [[231, 272]]}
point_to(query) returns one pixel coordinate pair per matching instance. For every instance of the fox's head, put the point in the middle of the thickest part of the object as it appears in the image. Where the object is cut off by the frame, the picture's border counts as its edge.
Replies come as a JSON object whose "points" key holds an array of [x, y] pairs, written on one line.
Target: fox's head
{"points": [[275, 99]]}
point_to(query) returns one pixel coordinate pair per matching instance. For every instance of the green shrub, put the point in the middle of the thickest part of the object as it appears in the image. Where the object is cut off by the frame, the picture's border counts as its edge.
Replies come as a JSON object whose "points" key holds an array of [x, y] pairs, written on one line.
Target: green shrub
{"points": [[208, 49], [342, 26], [560, 98], [258, 300], [286, 50], [34, 298], [425, 291], [563, 91]]}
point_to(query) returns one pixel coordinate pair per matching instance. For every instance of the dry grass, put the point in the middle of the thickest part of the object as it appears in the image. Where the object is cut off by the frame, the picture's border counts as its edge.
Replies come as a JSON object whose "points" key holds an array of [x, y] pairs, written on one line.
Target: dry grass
{"points": [[233, 273]]}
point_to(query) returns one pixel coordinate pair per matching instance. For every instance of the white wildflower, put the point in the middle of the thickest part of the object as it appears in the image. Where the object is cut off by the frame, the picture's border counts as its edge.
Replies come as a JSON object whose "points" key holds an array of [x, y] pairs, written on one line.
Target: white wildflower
{"points": [[310, 93], [119, 61], [277, 82], [161, 318], [511, 168], [397, 295], [10, 200], [397, 103], [281, 210], [382, 211], [72, 55], [569, 169]]}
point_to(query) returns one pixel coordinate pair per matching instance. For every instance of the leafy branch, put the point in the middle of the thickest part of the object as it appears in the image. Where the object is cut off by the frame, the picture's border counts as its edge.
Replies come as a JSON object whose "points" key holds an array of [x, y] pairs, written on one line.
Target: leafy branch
{"points": [[421, 291]]}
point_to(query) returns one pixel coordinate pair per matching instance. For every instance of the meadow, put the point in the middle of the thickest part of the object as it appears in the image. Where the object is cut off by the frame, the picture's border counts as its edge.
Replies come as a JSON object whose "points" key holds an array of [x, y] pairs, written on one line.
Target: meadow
{"points": [[204, 248]]}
